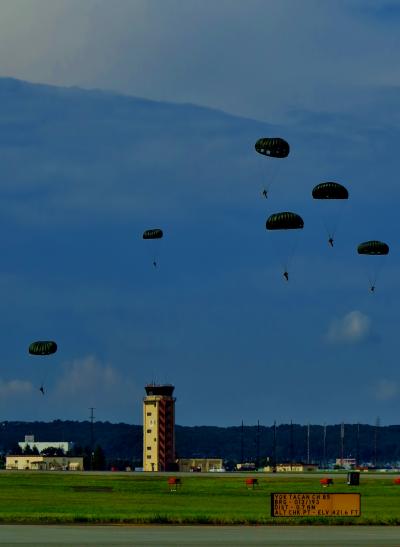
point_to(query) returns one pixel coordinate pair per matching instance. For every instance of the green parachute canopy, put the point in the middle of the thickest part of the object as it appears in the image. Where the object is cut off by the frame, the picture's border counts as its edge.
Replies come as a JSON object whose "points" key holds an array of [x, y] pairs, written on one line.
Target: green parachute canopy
{"points": [[275, 147], [373, 248], [284, 221], [43, 347], [154, 233], [330, 190]]}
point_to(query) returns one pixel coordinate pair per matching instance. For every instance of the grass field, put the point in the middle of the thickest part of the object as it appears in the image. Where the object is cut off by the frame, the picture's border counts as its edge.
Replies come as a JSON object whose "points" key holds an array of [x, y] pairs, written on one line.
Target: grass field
{"points": [[39, 497]]}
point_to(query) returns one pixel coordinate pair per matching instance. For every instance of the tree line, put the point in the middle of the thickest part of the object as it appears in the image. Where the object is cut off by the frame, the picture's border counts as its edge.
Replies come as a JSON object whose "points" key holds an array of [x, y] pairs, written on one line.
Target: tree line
{"points": [[120, 444]]}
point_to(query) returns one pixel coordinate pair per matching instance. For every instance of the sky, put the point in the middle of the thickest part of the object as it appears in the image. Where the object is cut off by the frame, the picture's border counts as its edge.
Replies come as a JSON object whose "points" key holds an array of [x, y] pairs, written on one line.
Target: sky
{"points": [[146, 116]]}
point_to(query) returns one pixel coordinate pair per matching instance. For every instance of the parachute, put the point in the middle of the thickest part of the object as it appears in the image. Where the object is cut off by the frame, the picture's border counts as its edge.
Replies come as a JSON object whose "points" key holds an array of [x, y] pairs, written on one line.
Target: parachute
{"points": [[330, 192], [284, 221], [274, 147], [374, 249], [43, 347], [286, 225], [154, 233]]}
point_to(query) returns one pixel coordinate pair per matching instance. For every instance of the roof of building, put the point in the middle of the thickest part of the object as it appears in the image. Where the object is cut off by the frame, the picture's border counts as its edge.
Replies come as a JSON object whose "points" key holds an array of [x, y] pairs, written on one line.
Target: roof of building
{"points": [[160, 389]]}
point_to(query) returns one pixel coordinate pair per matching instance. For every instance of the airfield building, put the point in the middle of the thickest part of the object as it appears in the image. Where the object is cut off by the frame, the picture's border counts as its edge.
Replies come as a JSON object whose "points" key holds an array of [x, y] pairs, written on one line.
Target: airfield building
{"points": [[44, 463], [196, 465], [159, 428]]}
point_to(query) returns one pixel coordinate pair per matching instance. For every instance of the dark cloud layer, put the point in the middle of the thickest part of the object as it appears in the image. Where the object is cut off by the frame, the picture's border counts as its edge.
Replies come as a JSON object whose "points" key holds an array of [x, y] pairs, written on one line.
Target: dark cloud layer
{"points": [[84, 173]]}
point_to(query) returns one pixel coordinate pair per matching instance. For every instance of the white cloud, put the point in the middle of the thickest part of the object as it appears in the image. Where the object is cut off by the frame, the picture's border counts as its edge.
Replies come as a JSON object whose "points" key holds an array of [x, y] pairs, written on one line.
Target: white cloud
{"points": [[386, 390], [81, 384], [354, 327], [88, 382], [86, 374], [13, 388]]}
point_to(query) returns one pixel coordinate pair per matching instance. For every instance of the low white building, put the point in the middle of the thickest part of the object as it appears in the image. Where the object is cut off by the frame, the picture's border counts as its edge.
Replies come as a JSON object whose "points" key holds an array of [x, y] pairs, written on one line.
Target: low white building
{"points": [[43, 463], [30, 441]]}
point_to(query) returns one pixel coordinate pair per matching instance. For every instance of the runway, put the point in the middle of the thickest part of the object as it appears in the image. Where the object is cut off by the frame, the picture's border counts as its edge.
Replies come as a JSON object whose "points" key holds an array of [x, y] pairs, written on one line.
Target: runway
{"points": [[340, 536]]}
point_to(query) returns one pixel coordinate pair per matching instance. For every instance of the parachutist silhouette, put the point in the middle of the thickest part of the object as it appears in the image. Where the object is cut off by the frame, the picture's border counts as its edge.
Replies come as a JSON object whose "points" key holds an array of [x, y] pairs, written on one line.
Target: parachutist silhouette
{"points": [[155, 264], [330, 241], [41, 389], [372, 288], [265, 193], [286, 275]]}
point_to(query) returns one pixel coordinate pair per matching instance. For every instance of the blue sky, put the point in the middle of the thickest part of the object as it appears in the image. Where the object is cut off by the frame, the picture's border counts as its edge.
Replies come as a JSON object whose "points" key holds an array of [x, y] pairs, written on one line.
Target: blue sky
{"points": [[188, 88]]}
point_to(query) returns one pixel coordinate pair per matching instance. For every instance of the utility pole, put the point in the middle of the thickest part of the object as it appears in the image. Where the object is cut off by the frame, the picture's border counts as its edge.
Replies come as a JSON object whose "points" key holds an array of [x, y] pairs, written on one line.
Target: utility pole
{"points": [[342, 443], [274, 449], [324, 446], [291, 445], [91, 436], [358, 445], [258, 445], [242, 444], [377, 425], [308, 443]]}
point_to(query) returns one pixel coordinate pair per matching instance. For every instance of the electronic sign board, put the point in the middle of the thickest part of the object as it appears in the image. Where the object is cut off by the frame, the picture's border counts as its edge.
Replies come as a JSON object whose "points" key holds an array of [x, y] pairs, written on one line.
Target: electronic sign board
{"points": [[312, 504]]}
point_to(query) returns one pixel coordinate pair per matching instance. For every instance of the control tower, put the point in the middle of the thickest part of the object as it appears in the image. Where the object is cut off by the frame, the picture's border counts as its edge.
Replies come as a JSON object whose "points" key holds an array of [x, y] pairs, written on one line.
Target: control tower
{"points": [[159, 428]]}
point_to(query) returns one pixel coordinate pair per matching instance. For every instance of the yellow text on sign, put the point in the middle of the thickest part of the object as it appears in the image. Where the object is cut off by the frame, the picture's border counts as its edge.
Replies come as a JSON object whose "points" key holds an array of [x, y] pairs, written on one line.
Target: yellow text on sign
{"points": [[315, 505]]}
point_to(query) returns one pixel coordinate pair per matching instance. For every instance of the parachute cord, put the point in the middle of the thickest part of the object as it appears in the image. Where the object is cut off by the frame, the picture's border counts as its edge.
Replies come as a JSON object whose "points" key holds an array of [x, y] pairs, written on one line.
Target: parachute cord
{"points": [[272, 174], [372, 282], [293, 250], [376, 273], [286, 260], [333, 227], [329, 232], [335, 217]]}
